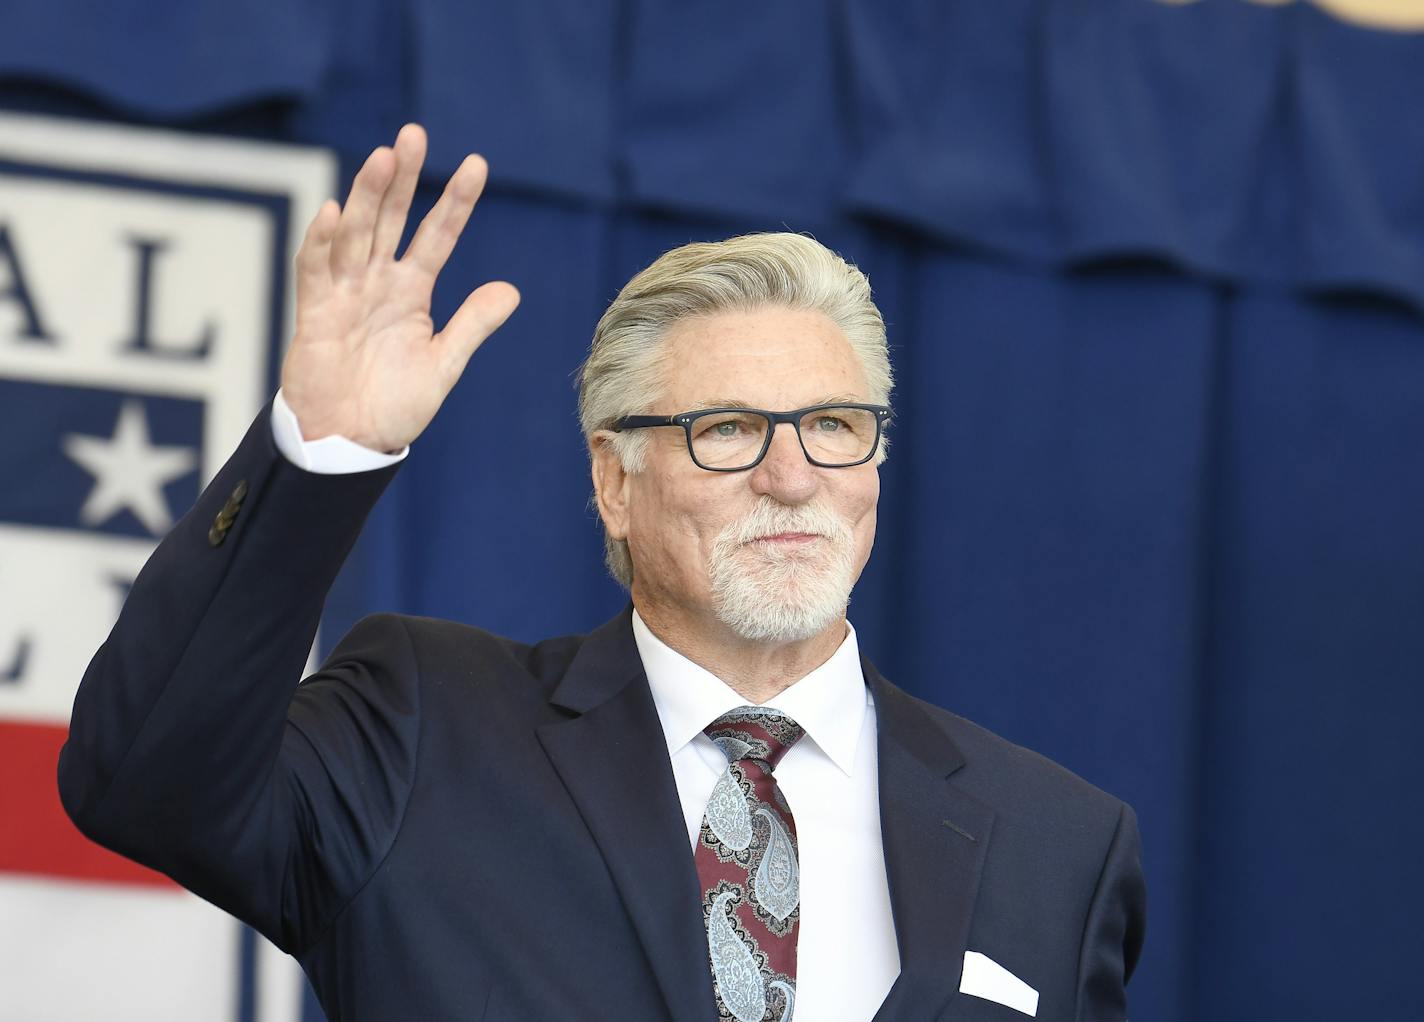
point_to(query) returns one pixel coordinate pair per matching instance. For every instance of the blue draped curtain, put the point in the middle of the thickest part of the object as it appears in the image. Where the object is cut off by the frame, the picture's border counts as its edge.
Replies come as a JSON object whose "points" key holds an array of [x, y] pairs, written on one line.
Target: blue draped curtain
{"points": [[1154, 279]]}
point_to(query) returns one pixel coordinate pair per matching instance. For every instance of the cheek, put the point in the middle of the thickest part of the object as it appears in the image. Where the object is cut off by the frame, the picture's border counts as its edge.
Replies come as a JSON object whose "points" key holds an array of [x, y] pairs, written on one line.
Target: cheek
{"points": [[669, 535], [865, 537], [862, 499], [862, 512]]}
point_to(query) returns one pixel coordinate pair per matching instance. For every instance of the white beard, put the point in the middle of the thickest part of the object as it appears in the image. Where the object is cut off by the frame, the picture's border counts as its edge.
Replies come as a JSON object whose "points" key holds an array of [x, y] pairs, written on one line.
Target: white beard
{"points": [[766, 594]]}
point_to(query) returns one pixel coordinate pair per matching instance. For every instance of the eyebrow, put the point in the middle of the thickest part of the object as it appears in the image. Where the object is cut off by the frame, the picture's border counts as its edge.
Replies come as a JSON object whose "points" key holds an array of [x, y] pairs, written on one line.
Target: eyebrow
{"points": [[731, 402]]}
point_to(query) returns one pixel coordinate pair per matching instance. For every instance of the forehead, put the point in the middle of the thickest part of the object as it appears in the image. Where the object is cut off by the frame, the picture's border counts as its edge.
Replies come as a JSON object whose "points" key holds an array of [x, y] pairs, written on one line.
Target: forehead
{"points": [[772, 358]]}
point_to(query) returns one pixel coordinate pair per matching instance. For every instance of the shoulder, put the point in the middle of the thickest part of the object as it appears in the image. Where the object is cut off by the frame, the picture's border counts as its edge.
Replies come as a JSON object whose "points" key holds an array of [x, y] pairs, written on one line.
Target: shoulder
{"points": [[1010, 777], [442, 650]]}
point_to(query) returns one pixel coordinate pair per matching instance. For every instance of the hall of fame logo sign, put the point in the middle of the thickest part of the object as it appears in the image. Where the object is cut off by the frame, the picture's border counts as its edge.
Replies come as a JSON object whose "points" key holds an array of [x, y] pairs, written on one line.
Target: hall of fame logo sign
{"points": [[145, 295]]}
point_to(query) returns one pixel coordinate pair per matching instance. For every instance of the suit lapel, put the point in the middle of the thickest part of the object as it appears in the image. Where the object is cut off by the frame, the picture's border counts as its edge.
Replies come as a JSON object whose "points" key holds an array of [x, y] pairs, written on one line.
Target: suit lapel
{"points": [[613, 759], [935, 838]]}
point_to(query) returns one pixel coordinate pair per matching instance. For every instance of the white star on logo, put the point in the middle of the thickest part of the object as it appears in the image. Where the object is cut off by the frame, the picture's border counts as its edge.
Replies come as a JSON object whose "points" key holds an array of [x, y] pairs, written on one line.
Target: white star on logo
{"points": [[129, 471]]}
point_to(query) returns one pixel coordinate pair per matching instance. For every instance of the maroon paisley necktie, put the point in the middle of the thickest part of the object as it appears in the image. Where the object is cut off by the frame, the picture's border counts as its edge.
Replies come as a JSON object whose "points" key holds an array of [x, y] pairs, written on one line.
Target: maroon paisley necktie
{"points": [[746, 860]]}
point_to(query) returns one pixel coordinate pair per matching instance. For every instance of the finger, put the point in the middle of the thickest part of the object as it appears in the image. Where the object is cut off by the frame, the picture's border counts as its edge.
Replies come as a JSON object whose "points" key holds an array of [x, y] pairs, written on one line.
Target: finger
{"points": [[351, 248], [390, 219], [435, 239], [314, 257], [481, 314]]}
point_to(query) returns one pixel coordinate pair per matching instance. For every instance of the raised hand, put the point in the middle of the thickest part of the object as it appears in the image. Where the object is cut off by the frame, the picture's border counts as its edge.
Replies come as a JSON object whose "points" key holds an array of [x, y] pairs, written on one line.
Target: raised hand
{"points": [[365, 361]]}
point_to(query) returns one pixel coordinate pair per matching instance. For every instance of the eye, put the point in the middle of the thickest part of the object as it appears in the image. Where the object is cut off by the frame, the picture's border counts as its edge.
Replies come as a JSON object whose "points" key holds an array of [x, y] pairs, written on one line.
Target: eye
{"points": [[726, 427], [831, 424]]}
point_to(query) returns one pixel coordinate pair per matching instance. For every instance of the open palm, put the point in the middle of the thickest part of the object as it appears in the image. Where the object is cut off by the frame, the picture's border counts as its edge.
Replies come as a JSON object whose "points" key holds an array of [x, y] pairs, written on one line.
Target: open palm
{"points": [[365, 361]]}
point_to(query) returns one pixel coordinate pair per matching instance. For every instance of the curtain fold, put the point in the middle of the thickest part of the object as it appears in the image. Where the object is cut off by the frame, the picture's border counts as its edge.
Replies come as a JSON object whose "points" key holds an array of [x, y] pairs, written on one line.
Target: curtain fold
{"points": [[1238, 140]]}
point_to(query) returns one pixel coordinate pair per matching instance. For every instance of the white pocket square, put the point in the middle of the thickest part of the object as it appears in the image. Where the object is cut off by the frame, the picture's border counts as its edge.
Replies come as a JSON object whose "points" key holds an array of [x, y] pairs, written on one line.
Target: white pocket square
{"points": [[986, 978]]}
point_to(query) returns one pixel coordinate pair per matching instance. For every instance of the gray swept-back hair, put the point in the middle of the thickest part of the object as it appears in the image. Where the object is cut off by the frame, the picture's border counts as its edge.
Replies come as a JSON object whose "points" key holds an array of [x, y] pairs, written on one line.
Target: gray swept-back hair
{"points": [[623, 374]]}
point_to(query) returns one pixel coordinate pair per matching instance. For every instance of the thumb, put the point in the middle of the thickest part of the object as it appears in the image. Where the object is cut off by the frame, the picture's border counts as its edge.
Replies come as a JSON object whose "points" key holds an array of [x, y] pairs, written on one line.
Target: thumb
{"points": [[479, 315]]}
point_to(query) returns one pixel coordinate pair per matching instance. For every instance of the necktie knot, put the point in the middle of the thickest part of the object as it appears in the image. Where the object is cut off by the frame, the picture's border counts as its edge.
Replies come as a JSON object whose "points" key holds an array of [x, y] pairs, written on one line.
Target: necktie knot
{"points": [[754, 732]]}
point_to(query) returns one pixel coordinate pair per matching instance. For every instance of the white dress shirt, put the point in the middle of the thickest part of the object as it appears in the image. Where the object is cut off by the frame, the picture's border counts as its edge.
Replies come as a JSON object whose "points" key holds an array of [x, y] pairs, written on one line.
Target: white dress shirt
{"points": [[846, 956], [328, 456]]}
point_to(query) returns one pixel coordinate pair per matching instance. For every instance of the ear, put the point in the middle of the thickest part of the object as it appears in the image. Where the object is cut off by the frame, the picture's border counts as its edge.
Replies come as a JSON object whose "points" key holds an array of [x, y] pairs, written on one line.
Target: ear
{"points": [[610, 485]]}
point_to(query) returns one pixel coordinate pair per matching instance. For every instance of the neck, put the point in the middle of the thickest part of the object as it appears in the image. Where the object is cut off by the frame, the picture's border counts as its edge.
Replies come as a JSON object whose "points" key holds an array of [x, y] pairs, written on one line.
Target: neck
{"points": [[757, 671]]}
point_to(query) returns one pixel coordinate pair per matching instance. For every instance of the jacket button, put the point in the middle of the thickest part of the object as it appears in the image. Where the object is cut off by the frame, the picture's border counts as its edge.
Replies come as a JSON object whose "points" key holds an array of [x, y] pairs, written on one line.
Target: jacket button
{"points": [[223, 522]]}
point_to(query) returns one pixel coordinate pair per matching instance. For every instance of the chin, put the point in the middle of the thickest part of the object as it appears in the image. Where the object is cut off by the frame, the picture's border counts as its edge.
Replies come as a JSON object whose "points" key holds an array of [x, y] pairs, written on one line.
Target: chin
{"points": [[778, 624], [791, 596]]}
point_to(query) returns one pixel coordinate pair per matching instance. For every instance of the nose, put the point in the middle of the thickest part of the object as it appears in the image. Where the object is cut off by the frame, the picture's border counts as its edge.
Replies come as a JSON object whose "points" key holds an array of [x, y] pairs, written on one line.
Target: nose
{"points": [[784, 474]]}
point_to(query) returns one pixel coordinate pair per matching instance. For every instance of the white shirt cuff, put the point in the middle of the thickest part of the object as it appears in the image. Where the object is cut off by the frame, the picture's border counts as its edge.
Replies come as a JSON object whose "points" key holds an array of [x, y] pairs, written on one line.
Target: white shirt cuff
{"points": [[330, 455]]}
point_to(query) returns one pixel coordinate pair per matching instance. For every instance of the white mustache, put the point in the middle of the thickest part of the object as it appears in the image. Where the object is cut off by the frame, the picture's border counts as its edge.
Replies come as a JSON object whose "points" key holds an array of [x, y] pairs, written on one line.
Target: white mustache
{"points": [[768, 518]]}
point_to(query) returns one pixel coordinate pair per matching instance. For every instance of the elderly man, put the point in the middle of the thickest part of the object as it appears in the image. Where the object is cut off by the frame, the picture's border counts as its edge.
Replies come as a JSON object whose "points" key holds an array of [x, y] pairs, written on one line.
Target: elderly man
{"points": [[709, 808]]}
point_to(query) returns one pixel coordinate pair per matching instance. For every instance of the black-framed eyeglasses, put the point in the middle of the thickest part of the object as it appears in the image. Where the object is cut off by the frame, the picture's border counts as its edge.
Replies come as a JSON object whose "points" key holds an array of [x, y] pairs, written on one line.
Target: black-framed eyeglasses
{"points": [[736, 439]]}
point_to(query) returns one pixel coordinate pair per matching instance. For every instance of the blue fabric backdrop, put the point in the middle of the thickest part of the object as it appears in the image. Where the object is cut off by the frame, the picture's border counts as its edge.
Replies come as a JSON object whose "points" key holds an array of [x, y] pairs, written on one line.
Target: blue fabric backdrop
{"points": [[1154, 277]]}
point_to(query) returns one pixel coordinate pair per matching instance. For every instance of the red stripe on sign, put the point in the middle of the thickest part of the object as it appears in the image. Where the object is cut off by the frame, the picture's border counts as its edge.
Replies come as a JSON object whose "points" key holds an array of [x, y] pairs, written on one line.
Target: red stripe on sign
{"points": [[36, 835]]}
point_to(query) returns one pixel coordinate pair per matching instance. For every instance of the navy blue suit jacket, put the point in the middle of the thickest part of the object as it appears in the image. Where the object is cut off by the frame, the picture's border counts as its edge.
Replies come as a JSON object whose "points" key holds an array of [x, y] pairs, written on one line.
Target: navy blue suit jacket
{"points": [[445, 824]]}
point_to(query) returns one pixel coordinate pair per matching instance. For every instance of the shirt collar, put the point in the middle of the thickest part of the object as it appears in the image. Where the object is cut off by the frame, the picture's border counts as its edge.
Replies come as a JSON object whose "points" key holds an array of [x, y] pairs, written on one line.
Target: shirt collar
{"points": [[829, 703]]}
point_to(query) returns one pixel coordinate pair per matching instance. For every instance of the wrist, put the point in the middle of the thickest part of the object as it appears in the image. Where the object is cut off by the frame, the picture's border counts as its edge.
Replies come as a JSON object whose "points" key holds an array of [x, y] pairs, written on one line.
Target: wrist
{"points": [[329, 454]]}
